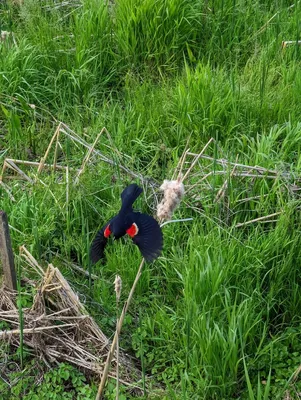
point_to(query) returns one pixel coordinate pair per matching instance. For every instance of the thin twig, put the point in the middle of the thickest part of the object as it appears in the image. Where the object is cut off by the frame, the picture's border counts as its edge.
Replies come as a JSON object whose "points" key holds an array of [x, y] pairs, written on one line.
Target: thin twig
{"points": [[7, 334], [82, 271], [221, 193], [36, 164], [286, 43], [5, 187], [180, 164], [117, 351], [4, 166], [67, 131], [88, 155], [176, 220], [57, 143], [196, 159], [43, 159], [13, 166], [258, 219], [265, 25], [224, 162], [31, 260]]}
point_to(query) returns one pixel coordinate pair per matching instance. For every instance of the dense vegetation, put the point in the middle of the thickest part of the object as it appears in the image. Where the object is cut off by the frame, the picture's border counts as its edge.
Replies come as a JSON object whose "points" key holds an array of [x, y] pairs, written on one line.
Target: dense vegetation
{"points": [[218, 316]]}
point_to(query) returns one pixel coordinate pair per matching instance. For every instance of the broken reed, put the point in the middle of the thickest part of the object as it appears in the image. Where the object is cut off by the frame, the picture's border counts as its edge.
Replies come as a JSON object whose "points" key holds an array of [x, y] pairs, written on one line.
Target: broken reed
{"points": [[63, 330]]}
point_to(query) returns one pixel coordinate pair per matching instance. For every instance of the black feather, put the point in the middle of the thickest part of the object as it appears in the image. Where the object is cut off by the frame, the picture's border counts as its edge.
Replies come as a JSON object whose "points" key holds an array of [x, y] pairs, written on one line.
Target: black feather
{"points": [[98, 246], [129, 195], [149, 238]]}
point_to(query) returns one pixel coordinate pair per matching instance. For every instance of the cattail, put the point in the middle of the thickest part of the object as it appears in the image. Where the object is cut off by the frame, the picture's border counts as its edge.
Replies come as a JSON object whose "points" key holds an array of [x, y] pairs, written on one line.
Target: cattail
{"points": [[173, 193], [4, 35], [118, 286]]}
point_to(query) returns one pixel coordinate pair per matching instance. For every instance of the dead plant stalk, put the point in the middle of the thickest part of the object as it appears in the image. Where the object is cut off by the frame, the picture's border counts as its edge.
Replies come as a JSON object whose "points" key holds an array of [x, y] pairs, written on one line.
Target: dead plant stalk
{"points": [[117, 333]]}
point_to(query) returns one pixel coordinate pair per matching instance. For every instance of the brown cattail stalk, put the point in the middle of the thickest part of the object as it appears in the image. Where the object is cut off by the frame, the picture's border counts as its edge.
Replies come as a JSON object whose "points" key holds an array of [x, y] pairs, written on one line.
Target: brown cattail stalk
{"points": [[118, 329], [118, 286]]}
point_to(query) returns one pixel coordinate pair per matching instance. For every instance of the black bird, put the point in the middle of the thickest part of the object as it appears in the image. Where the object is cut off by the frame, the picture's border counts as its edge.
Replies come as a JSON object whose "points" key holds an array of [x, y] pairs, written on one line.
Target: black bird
{"points": [[142, 228]]}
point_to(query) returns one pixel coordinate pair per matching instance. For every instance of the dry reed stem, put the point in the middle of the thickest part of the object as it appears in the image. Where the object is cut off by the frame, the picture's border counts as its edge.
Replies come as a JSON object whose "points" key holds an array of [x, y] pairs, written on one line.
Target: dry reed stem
{"points": [[31, 260], [75, 267], [286, 43], [182, 165], [263, 28], [82, 271], [296, 374], [72, 135], [117, 365], [36, 164], [7, 334], [43, 159], [224, 162], [3, 170], [234, 174], [175, 220], [10, 164], [221, 193], [196, 159], [67, 186], [181, 161], [57, 145], [258, 220], [117, 332], [118, 285], [7, 190], [87, 157], [252, 198]]}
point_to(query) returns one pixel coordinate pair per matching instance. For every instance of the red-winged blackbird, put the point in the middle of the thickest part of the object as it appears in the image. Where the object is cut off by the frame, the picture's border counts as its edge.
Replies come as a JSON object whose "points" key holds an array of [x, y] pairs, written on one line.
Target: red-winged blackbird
{"points": [[142, 228]]}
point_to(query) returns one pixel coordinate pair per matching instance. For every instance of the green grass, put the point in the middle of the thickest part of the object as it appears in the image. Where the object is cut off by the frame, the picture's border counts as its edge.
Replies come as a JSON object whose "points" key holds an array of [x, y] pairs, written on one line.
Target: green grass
{"points": [[218, 315]]}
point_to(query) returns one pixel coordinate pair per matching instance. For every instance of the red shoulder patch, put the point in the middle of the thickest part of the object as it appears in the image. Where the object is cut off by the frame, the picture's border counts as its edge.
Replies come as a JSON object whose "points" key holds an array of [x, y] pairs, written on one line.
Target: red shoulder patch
{"points": [[133, 230], [107, 232]]}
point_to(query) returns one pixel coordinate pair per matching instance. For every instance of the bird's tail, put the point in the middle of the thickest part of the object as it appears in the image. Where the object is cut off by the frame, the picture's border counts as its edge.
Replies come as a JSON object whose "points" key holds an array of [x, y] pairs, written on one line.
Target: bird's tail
{"points": [[129, 195]]}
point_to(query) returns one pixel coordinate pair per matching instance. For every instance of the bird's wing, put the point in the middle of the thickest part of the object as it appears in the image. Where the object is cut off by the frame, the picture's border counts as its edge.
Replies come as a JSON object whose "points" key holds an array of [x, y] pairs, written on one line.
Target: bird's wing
{"points": [[147, 235], [99, 243]]}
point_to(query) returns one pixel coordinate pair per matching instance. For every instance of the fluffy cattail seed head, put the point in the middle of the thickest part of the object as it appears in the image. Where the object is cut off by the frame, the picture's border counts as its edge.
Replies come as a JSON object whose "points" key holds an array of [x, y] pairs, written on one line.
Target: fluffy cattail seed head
{"points": [[118, 286], [173, 193], [4, 35]]}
